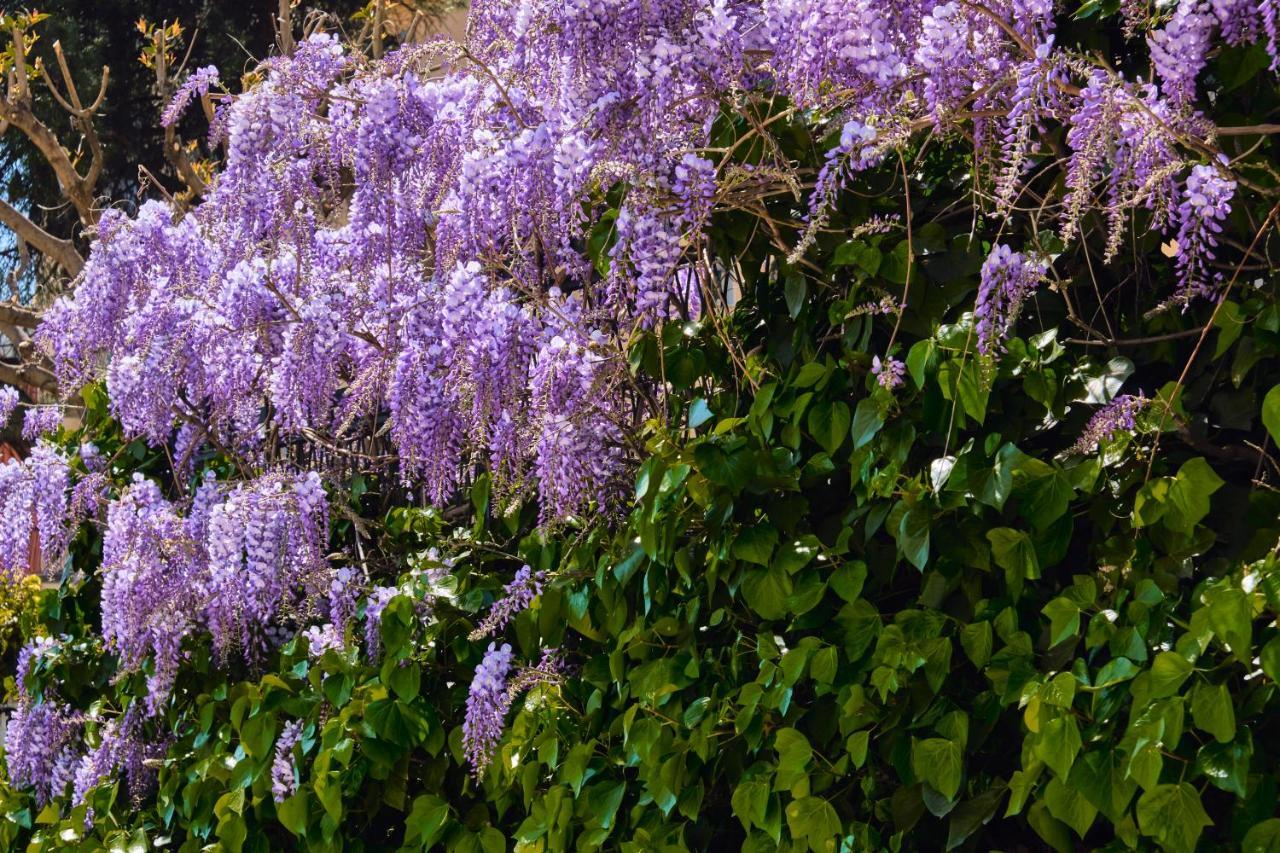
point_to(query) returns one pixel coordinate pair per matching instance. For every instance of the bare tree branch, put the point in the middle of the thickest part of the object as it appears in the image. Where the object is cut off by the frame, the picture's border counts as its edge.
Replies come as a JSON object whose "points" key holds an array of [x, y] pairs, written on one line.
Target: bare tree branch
{"points": [[60, 251], [16, 111]]}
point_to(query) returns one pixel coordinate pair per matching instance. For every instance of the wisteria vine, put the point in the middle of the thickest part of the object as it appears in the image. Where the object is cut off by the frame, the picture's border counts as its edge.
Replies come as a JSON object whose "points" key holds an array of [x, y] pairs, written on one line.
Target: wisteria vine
{"points": [[397, 250]]}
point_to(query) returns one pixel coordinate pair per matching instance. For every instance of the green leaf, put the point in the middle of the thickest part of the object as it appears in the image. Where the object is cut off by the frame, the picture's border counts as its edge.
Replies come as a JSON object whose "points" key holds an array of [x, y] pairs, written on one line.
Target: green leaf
{"points": [[1069, 806], [857, 745], [1226, 765], [1060, 691], [1047, 499], [1014, 552], [1058, 744], [1263, 837], [794, 755], [750, 801], [1213, 712], [1101, 776], [859, 254], [1188, 499], [1168, 672], [918, 360], [973, 391], [767, 590], [971, 815], [1271, 413], [829, 424], [1229, 321], [1064, 619], [1173, 816], [755, 543], [1114, 672], [913, 536], [813, 819], [976, 640], [938, 761], [866, 422], [405, 680], [1271, 659], [1231, 616], [795, 288], [292, 814]]}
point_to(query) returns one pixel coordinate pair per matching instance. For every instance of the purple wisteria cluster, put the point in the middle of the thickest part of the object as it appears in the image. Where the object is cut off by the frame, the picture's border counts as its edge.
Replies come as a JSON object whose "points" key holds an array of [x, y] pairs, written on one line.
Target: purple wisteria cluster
{"points": [[397, 255], [284, 778], [196, 86], [54, 749], [244, 556], [493, 689], [520, 593], [487, 705], [1008, 278], [1206, 203], [385, 243], [35, 511], [42, 740], [9, 399], [1119, 415]]}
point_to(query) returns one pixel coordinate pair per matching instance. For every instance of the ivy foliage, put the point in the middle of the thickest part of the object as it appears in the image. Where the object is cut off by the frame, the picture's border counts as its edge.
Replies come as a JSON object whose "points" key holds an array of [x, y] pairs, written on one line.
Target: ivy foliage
{"points": [[835, 617]]}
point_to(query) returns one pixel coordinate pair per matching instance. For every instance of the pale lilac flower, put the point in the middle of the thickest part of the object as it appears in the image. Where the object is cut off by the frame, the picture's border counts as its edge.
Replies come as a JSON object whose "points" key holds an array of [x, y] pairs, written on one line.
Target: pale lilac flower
{"points": [[1120, 415], [284, 776], [888, 373], [487, 705], [520, 593]]}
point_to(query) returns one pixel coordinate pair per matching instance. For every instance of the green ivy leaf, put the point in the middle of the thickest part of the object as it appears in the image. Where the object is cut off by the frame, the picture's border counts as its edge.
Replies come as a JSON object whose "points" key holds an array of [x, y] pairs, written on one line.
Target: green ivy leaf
{"points": [[794, 755], [1188, 499], [750, 801], [1173, 816], [1271, 413], [976, 640], [1069, 806], [767, 590], [829, 423], [1231, 617], [1058, 744], [1263, 837], [1213, 711], [913, 536], [939, 762], [293, 813], [857, 745], [814, 820], [1226, 765], [755, 543], [1014, 552], [1168, 672], [866, 422], [1064, 619]]}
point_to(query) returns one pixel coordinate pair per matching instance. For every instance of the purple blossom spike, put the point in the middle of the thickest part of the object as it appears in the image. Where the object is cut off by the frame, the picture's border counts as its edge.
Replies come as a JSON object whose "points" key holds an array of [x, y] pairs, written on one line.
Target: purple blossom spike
{"points": [[1179, 50], [8, 402], [1008, 278], [196, 86], [379, 598], [520, 593], [487, 705], [40, 420], [284, 776], [41, 742], [888, 373], [321, 639], [1120, 415], [1206, 203]]}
